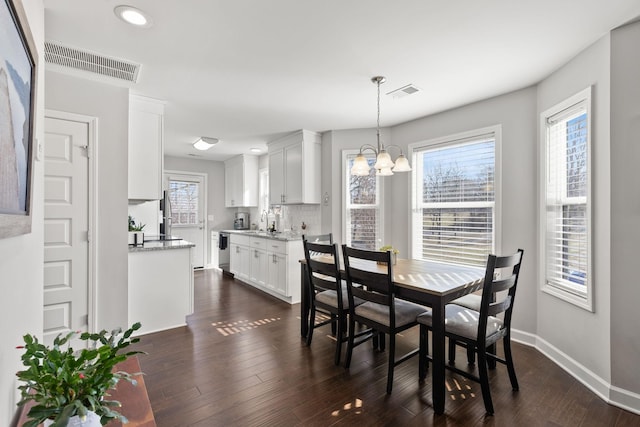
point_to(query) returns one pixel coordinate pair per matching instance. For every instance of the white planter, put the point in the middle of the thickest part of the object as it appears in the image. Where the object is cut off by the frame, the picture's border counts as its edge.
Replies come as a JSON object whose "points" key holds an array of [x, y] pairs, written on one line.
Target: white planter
{"points": [[136, 238], [92, 420]]}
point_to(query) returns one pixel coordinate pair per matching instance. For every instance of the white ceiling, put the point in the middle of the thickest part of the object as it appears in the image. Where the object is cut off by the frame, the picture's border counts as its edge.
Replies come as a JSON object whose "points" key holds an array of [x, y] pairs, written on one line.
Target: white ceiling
{"points": [[248, 71]]}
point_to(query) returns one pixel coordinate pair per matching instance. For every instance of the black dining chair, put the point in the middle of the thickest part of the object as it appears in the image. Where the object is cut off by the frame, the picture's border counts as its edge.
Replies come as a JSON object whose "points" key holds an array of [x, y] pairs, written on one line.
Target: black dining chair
{"points": [[327, 294], [369, 277], [319, 238], [480, 330]]}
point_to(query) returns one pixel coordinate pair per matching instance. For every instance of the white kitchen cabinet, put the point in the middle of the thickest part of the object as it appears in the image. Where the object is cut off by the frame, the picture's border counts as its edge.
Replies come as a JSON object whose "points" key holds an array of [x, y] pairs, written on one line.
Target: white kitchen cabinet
{"points": [[146, 147], [268, 264], [241, 181], [294, 169]]}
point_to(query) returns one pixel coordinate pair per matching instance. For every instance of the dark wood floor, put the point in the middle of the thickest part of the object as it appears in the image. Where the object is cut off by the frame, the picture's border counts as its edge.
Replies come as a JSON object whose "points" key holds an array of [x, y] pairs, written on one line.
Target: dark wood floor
{"points": [[241, 362]]}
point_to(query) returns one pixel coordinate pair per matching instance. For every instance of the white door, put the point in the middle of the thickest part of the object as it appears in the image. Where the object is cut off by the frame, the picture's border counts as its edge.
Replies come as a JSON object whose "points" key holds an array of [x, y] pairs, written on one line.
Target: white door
{"points": [[66, 227], [188, 209]]}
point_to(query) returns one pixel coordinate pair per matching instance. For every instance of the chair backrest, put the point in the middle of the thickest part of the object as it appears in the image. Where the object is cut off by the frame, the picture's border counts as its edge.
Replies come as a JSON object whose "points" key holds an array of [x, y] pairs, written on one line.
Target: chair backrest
{"points": [[323, 268], [369, 276], [492, 302], [319, 238]]}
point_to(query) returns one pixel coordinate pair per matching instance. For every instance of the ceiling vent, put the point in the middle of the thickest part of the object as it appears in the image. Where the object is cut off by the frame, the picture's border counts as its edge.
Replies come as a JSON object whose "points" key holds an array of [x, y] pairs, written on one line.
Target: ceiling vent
{"points": [[84, 60], [404, 91]]}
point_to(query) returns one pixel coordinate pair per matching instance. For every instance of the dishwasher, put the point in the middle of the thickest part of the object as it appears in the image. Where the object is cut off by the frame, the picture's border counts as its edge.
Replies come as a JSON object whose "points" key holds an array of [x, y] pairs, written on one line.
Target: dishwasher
{"points": [[223, 251]]}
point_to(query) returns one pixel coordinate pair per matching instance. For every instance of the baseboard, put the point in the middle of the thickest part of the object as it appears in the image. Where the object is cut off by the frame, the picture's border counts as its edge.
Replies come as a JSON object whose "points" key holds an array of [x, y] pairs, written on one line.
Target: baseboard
{"points": [[616, 396]]}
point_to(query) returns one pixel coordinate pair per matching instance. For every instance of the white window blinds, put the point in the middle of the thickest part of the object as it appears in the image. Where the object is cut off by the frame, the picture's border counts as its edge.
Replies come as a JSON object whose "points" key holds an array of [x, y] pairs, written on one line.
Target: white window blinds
{"points": [[362, 201], [566, 199], [454, 210], [184, 202]]}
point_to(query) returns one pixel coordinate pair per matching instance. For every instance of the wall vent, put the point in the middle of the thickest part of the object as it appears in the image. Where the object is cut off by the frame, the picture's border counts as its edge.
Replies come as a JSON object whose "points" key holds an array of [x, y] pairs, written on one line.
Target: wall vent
{"points": [[404, 91], [84, 60]]}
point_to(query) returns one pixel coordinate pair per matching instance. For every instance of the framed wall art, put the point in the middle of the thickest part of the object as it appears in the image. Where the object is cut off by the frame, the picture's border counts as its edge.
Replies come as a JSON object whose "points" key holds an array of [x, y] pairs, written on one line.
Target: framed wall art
{"points": [[17, 111]]}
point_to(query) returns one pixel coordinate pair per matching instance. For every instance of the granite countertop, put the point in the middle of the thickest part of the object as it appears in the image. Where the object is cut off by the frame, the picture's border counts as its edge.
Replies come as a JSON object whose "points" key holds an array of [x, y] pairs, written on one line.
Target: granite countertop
{"points": [[286, 236], [161, 245]]}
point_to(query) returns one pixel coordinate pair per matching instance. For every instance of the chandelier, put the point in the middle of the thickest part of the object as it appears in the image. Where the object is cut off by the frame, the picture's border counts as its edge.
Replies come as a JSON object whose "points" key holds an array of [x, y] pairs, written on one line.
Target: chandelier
{"points": [[384, 166]]}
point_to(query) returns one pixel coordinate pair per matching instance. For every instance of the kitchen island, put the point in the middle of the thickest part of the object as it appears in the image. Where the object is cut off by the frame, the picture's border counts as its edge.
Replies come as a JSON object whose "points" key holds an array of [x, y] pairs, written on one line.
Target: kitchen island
{"points": [[160, 284], [267, 261]]}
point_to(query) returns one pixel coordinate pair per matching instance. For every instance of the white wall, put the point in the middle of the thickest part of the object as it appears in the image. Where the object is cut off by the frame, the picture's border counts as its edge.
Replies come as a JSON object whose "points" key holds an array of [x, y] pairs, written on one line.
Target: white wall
{"points": [[582, 335], [516, 113], [110, 104], [625, 207], [21, 257]]}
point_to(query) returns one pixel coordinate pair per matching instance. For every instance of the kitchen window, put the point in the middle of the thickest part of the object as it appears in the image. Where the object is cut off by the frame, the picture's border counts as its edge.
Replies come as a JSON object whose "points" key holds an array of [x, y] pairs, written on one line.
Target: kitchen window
{"points": [[184, 202], [455, 195], [362, 200], [565, 200]]}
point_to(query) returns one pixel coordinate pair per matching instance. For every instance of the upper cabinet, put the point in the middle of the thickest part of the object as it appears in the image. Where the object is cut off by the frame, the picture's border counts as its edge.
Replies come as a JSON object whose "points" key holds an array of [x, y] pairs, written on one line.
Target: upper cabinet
{"points": [[241, 181], [146, 135], [294, 169]]}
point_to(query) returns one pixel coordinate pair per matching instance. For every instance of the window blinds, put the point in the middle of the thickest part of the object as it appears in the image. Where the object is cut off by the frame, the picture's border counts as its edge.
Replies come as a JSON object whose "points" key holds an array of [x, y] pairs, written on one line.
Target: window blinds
{"points": [[184, 202], [457, 200], [567, 219]]}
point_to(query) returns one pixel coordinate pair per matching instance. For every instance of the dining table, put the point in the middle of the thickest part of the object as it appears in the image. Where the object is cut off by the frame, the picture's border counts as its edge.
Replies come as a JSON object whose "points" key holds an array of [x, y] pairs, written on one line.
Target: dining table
{"points": [[430, 283]]}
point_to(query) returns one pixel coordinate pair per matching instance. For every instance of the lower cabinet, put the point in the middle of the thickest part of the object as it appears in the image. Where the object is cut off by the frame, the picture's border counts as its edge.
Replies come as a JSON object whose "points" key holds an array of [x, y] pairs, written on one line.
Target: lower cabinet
{"points": [[268, 264]]}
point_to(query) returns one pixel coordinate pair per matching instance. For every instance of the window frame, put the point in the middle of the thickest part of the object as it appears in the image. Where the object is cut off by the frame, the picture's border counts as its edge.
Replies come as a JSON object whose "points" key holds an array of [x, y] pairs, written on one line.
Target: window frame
{"points": [[568, 293], [416, 190], [346, 154]]}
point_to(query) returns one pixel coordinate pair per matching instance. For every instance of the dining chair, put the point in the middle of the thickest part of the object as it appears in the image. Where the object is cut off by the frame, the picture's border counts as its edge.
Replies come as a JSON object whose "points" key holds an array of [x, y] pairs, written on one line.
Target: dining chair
{"points": [[369, 277], [326, 292], [479, 330], [319, 238]]}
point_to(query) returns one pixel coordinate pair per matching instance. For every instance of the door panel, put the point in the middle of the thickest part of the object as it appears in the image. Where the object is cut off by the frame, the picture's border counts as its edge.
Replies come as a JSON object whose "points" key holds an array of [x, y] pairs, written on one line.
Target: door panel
{"points": [[66, 226], [188, 201]]}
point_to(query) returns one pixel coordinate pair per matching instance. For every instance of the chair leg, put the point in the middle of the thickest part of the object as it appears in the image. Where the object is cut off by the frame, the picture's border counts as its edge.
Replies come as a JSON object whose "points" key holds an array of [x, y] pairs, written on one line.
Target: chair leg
{"points": [[471, 355], [423, 362], [484, 380], [350, 342], [510, 368], [381, 341], [392, 361], [340, 338], [452, 351], [334, 321], [312, 321]]}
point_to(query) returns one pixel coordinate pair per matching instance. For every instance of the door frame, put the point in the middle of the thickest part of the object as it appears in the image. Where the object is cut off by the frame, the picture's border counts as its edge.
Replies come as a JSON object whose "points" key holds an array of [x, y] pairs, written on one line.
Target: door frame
{"points": [[92, 157], [205, 207]]}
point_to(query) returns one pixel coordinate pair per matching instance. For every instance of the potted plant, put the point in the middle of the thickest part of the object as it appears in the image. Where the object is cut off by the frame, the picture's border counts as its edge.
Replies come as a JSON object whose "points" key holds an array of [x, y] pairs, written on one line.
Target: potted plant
{"points": [[136, 235], [394, 252], [64, 383]]}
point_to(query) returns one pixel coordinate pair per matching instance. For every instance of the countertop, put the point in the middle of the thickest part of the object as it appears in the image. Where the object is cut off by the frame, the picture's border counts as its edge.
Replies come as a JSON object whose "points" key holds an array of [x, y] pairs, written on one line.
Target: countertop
{"points": [[161, 245], [286, 236]]}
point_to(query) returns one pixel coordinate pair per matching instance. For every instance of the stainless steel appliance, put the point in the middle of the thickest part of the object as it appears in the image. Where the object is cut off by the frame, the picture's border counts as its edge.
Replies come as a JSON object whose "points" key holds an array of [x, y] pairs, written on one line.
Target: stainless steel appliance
{"points": [[242, 221], [224, 254], [165, 208]]}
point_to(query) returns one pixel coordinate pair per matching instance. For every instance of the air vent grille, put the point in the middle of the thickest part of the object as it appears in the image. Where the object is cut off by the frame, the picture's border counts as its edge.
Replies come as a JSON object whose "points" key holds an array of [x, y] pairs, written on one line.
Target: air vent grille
{"points": [[404, 91], [56, 53]]}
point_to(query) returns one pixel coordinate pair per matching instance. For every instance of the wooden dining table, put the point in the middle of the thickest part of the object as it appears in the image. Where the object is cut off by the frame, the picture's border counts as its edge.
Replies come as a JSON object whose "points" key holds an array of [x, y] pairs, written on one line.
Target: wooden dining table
{"points": [[428, 283]]}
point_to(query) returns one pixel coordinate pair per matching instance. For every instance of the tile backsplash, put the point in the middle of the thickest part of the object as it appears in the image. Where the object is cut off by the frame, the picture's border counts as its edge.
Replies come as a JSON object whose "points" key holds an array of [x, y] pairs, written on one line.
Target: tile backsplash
{"points": [[292, 217]]}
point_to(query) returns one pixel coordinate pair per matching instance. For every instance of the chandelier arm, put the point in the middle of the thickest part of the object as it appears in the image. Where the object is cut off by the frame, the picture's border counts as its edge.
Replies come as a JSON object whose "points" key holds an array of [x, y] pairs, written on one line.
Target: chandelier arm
{"points": [[368, 147], [395, 146]]}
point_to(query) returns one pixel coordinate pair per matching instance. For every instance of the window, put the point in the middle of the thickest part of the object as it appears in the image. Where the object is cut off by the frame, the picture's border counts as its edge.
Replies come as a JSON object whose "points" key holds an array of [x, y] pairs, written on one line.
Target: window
{"points": [[454, 198], [184, 202], [565, 201], [363, 213]]}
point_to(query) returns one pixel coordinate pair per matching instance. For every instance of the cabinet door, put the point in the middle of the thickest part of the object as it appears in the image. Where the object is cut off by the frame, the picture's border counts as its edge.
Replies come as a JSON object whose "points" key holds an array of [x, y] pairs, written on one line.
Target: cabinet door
{"points": [[293, 179], [277, 277], [145, 149], [258, 266], [232, 184], [234, 259], [276, 177], [239, 261]]}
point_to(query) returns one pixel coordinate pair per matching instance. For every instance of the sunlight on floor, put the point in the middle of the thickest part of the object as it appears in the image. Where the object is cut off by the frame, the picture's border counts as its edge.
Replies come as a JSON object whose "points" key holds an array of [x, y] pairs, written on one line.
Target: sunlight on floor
{"points": [[355, 406], [230, 328], [459, 389]]}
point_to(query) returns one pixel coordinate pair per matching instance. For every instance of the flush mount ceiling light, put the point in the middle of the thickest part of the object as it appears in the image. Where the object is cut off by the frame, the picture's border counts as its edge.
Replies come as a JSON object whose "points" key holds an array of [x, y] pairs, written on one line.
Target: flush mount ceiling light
{"points": [[204, 143], [133, 16], [255, 150], [384, 164]]}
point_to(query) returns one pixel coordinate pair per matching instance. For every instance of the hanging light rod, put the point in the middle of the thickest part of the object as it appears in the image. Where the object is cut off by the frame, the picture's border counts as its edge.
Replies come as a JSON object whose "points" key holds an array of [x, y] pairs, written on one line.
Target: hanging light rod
{"points": [[384, 166]]}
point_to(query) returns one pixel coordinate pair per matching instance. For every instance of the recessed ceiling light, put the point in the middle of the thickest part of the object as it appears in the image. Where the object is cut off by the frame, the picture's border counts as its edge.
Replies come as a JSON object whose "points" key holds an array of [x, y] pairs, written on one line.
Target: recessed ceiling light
{"points": [[133, 16], [204, 143], [256, 150]]}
